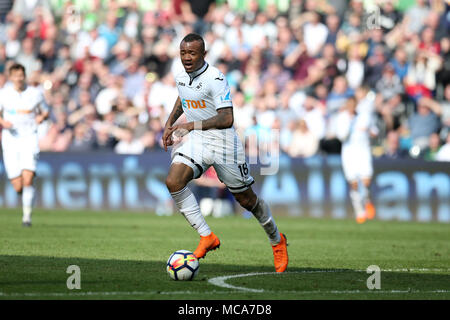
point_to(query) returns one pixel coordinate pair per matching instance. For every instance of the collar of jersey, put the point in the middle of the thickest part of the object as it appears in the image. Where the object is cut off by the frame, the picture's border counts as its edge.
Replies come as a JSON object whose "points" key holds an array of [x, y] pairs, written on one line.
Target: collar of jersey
{"points": [[19, 92], [196, 73]]}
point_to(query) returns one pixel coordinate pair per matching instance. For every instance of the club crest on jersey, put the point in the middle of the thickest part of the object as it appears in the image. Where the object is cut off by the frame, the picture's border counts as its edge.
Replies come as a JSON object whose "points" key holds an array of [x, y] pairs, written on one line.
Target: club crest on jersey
{"points": [[194, 104], [198, 87]]}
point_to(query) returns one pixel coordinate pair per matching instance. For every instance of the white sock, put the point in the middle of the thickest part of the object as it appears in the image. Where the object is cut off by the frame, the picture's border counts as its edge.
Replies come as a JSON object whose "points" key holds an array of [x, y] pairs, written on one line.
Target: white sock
{"points": [[27, 202], [188, 206], [356, 199], [262, 213], [365, 194]]}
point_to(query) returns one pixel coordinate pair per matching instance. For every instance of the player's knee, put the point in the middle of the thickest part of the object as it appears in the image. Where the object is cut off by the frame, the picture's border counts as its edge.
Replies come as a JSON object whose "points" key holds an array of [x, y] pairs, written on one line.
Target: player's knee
{"points": [[173, 184], [27, 182], [354, 185], [246, 202]]}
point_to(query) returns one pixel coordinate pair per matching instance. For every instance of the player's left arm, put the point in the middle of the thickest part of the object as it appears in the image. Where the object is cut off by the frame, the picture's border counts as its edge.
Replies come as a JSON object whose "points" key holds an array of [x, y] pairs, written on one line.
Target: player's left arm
{"points": [[223, 120], [3, 123], [44, 111]]}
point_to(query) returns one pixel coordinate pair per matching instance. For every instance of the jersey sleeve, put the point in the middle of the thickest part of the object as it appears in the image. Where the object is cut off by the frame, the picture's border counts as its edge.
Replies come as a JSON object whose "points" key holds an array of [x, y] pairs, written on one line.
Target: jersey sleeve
{"points": [[343, 127], [43, 106], [221, 92], [1, 101]]}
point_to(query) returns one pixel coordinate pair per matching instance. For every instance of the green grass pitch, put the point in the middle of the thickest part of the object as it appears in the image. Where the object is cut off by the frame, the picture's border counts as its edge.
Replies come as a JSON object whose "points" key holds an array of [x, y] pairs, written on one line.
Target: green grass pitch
{"points": [[122, 255]]}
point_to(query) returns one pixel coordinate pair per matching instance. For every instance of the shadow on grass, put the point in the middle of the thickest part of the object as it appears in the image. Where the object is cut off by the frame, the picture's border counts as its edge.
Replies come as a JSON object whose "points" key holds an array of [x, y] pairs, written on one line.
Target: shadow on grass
{"points": [[36, 277]]}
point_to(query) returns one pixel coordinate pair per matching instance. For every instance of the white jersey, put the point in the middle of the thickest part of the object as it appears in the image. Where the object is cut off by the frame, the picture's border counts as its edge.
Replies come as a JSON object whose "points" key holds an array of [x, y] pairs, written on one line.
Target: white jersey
{"points": [[21, 108], [354, 132], [202, 93]]}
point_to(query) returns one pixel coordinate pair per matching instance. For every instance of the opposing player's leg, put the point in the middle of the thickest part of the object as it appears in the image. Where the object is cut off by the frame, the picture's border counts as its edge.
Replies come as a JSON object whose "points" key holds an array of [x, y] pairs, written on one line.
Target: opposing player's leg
{"points": [[357, 201], [177, 179], [27, 196], [369, 206]]}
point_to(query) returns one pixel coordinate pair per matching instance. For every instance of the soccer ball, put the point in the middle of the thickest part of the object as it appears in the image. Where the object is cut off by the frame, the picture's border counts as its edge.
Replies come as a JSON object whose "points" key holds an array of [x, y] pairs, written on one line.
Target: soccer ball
{"points": [[182, 265]]}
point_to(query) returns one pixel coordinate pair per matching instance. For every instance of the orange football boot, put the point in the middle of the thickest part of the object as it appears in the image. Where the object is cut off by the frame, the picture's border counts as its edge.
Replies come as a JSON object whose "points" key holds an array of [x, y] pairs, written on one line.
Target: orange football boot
{"points": [[370, 210], [280, 254], [207, 243], [361, 219]]}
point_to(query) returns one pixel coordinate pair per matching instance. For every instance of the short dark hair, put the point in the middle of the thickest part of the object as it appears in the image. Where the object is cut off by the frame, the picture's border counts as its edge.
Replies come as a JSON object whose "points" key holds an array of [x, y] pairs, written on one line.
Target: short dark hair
{"points": [[194, 37], [16, 66]]}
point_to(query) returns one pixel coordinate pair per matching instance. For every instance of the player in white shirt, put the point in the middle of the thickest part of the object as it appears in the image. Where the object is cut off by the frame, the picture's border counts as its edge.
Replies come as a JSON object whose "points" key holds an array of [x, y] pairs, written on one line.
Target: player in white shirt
{"points": [[354, 129], [209, 139], [22, 108]]}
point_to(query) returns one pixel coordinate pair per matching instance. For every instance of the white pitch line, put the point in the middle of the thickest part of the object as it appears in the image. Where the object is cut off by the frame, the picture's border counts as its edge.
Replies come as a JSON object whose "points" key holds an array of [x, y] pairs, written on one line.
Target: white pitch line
{"points": [[220, 281]]}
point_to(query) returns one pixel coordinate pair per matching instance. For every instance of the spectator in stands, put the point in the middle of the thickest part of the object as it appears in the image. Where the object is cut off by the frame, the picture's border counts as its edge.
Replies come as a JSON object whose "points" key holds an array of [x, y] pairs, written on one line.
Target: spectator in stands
{"points": [[315, 35], [304, 143], [389, 98], [392, 148], [416, 16], [375, 66], [277, 57], [83, 138], [445, 106], [27, 57], [444, 152], [421, 77], [338, 95], [314, 117], [355, 68], [332, 22], [400, 63], [425, 121], [433, 147]]}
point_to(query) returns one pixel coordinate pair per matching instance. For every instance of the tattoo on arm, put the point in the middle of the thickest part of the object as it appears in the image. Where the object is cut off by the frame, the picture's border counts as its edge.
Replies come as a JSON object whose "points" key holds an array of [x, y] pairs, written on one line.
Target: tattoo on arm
{"points": [[223, 120], [176, 113]]}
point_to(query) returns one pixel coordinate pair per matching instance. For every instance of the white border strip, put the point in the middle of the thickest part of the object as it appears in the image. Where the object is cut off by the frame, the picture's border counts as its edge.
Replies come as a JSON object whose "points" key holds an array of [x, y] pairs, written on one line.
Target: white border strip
{"points": [[141, 293]]}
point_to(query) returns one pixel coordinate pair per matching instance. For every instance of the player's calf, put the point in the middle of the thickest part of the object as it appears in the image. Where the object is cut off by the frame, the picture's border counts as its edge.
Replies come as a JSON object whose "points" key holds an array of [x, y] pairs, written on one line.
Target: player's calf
{"points": [[261, 211]]}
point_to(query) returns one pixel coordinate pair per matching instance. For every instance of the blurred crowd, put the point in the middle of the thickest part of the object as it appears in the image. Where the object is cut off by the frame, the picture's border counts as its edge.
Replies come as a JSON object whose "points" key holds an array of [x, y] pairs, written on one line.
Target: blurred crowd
{"points": [[107, 67]]}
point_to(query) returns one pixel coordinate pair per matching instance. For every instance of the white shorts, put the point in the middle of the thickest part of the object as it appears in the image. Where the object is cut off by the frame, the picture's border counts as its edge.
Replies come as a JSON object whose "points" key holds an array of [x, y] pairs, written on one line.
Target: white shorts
{"points": [[357, 164], [227, 158], [20, 154]]}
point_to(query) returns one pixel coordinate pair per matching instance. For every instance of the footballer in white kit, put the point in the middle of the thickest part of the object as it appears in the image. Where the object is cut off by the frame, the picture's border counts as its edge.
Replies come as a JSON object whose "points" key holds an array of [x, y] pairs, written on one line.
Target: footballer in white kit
{"points": [[355, 125], [209, 139], [22, 108]]}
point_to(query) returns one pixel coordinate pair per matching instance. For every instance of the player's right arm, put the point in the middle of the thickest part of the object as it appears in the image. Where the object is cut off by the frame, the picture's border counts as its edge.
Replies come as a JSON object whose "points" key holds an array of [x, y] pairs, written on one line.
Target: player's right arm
{"points": [[177, 111], [4, 123]]}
